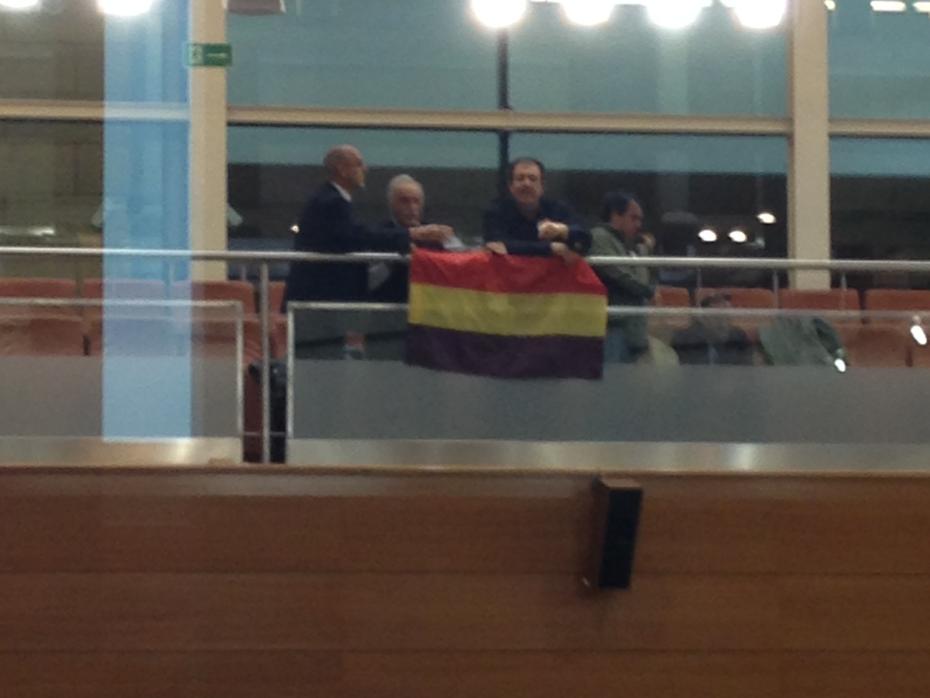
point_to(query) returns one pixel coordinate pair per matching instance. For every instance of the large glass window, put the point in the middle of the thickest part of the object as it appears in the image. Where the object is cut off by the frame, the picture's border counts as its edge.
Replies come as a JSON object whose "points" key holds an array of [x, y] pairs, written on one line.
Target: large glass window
{"points": [[688, 184], [272, 173], [629, 64], [879, 200], [878, 60], [55, 52], [426, 54], [51, 181], [52, 190]]}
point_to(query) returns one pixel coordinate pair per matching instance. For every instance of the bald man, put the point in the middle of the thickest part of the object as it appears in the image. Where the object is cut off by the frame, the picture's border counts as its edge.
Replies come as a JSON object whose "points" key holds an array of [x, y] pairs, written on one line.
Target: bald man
{"points": [[328, 224]]}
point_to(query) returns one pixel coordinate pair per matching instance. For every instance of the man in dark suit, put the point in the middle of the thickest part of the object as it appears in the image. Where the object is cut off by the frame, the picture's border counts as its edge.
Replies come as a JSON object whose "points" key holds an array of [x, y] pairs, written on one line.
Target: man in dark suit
{"points": [[328, 224], [527, 223], [406, 201]]}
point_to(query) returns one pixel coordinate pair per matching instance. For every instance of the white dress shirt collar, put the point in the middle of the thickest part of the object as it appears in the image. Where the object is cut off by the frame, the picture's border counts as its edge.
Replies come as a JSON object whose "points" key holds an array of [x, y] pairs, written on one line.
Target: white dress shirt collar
{"points": [[342, 192]]}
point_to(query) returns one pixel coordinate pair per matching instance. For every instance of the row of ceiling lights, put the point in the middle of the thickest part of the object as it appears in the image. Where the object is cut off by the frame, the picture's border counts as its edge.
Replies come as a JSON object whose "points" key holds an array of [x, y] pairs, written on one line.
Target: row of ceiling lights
{"points": [[669, 14], [891, 6], [737, 235], [119, 8], [675, 14]]}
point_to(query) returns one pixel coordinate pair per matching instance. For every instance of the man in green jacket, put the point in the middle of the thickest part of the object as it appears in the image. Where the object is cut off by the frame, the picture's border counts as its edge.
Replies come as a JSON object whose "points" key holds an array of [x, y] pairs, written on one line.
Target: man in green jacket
{"points": [[620, 235]]}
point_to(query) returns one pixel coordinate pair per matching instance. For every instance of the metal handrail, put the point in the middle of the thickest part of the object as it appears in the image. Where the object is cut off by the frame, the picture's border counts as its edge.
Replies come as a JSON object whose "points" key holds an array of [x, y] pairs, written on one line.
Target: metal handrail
{"points": [[767, 263], [906, 316]]}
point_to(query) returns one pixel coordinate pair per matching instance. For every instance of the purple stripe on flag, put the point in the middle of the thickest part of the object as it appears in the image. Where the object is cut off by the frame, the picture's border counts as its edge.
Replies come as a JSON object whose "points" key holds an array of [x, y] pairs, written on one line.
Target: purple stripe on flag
{"points": [[505, 357]]}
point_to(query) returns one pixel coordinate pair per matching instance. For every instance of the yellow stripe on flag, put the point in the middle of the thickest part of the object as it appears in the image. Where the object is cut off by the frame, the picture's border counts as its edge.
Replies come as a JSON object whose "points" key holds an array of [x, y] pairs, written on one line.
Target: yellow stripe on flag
{"points": [[508, 314]]}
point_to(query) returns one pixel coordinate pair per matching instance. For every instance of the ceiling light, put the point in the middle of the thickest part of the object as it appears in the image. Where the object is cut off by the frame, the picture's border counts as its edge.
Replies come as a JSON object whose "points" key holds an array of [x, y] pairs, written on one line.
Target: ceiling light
{"points": [[738, 236], [588, 13], [831, 4], [760, 14], [674, 14], [767, 218], [708, 235], [918, 333], [20, 4], [922, 6], [295, 229], [888, 6], [840, 364], [124, 8], [498, 14]]}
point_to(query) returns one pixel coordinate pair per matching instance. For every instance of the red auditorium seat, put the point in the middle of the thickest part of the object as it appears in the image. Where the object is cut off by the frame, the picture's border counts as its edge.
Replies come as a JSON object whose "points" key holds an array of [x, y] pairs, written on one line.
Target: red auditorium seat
{"points": [[919, 356], [672, 297], [124, 289], [876, 346], [276, 296], [832, 299], [41, 335], [133, 336], [750, 298], [744, 298], [150, 336], [241, 291], [24, 288], [896, 299], [38, 288], [218, 337]]}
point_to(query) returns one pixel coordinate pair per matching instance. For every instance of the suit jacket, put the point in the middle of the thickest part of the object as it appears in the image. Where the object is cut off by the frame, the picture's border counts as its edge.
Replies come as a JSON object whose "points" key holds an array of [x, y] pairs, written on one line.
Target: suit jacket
{"points": [[503, 222], [328, 224]]}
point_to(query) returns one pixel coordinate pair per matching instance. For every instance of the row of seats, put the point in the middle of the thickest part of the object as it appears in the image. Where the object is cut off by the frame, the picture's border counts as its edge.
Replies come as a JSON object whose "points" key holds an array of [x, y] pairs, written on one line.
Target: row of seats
{"points": [[85, 336], [666, 296], [872, 345], [136, 289], [41, 333], [878, 299]]}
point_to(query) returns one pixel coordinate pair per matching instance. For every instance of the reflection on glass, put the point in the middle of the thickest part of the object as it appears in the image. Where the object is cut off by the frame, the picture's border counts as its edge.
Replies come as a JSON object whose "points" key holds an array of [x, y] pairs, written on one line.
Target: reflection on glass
{"points": [[426, 54], [51, 185], [879, 204], [273, 172], [629, 64], [694, 189], [716, 372], [54, 51], [877, 63], [65, 344]]}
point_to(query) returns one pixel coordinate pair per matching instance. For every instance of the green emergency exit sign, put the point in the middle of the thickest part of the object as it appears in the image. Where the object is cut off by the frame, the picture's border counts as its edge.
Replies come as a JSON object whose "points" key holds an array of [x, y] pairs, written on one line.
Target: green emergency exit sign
{"points": [[209, 55]]}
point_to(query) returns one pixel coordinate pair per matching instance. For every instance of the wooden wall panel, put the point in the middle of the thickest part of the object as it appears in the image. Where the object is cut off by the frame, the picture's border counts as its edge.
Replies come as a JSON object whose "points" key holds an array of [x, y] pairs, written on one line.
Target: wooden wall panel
{"points": [[704, 525], [144, 612], [785, 525], [185, 584], [288, 674], [284, 534], [460, 613], [172, 675]]}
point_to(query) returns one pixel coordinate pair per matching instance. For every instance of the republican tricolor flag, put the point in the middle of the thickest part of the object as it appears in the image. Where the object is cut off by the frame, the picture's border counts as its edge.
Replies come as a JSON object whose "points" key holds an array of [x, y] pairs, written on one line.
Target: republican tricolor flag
{"points": [[505, 316]]}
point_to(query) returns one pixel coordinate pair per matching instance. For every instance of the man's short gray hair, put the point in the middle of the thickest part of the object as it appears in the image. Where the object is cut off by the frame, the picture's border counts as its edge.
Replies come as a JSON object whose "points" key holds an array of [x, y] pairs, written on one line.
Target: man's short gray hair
{"points": [[403, 180]]}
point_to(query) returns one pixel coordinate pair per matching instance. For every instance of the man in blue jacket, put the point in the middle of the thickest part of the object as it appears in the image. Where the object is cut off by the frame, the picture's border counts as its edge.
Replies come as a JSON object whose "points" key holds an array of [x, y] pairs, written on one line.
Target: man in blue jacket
{"points": [[525, 222]]}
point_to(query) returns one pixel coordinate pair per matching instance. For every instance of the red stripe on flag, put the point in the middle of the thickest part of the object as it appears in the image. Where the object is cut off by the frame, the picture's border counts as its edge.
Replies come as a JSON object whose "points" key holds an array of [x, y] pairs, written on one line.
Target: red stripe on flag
{"points": [[484, 271]]}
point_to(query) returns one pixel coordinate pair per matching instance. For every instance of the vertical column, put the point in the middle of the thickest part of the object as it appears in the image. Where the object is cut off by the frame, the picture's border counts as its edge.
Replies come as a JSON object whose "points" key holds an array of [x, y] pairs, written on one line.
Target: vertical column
{"points": [[809, 169], [208, 152], [503, 104]]}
